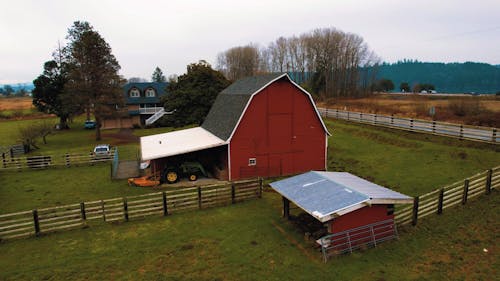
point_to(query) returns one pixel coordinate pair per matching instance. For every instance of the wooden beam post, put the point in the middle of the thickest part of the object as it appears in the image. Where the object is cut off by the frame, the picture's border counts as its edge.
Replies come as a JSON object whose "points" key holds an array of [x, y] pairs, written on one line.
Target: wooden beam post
{"points": [[36, 222], [165, 207], [68, 161], [411, 124], [82, 210], [415, 211], [260, 187], [199, 197], [461, 131], [392, 119], [466, 191], [286, 208], [488, 181], [125, 208], [233, 194], [3, 160], [494, 135], [433, 127], [440, 202]]}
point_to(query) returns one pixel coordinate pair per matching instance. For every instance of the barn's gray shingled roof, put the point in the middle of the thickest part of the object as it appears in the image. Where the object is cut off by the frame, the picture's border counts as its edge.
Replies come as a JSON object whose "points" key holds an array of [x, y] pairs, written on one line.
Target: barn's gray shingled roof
{"points": [[230, 104]]}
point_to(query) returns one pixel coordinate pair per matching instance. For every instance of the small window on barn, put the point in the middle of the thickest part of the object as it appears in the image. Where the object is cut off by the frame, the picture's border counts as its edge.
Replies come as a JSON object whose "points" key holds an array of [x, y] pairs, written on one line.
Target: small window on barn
{"points": [[150, 93], [134, 93], [390, 209], [252, 161]]}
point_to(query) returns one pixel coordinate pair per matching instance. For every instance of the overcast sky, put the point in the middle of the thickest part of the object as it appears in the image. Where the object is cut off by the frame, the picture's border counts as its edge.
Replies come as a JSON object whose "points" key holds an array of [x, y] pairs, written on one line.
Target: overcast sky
{"points": [[171, 34]]}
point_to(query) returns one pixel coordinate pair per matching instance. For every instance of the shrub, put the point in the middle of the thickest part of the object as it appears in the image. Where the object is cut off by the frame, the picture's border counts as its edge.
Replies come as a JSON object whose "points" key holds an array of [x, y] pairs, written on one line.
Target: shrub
{"points": [[465, 107]]}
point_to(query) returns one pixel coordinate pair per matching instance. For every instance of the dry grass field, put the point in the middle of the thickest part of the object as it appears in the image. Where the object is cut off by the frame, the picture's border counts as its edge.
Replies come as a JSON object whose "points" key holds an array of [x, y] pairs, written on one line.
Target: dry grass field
{"points": [[20, 103], [19, 108], [471, 110]]}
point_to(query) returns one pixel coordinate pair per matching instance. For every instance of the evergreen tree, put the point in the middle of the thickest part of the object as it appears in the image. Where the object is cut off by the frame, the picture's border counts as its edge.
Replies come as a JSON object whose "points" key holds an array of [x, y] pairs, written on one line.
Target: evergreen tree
{"points": [[93, 78], [193, 94], [158, 75]]}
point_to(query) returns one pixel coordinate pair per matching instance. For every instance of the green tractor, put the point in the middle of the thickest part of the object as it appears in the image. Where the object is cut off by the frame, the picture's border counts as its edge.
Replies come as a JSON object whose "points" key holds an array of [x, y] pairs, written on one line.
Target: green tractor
{"points": [[191, 170]]}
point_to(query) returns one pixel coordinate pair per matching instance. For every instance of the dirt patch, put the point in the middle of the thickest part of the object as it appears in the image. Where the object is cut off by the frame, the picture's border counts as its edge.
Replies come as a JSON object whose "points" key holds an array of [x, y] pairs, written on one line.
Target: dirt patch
{"points": [[123, 136]]}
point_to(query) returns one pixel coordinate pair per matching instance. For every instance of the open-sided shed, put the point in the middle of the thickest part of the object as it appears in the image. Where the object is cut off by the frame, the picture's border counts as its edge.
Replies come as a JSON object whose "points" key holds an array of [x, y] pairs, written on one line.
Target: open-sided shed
{"points": [[345, 203]]}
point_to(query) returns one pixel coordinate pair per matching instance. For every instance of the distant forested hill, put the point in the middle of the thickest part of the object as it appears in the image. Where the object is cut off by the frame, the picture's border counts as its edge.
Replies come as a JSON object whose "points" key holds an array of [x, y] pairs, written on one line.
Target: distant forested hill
{"points": [[447, 77]]}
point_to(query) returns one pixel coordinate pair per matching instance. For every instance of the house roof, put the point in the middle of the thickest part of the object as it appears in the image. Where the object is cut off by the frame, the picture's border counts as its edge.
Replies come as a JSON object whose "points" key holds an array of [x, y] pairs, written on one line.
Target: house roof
{"points": [[159, 87], [177, 142], [231, 103], [326, 195]]}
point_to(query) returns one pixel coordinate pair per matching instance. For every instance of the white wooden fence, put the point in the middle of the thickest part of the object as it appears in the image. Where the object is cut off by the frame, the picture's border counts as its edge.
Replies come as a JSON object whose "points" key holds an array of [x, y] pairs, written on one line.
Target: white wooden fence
{"points": [[475, 133]]}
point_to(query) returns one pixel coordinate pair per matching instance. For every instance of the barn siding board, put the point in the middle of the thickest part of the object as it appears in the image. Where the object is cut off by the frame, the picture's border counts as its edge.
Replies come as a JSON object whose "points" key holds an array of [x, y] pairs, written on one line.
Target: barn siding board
{"points": [[281, 129]]}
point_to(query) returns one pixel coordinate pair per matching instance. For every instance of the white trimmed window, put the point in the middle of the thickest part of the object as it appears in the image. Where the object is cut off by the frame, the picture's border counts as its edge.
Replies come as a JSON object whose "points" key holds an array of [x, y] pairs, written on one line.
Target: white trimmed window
{"points": [[134, 93], [150, 93], [252, 161]]}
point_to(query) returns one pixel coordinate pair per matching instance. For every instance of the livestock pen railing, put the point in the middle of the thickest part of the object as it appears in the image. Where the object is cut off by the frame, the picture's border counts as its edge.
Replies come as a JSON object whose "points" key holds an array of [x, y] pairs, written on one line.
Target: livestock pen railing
{"points": [[430, 203], [475, 133], [357, 238], [78, 215], [46, 161]]}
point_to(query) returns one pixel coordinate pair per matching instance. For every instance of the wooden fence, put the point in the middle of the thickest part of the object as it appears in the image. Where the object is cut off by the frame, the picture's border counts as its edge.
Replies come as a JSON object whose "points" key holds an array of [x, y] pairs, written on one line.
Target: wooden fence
{"points": [[46, 220], [46, 161], [475, 133], [437, 201]]}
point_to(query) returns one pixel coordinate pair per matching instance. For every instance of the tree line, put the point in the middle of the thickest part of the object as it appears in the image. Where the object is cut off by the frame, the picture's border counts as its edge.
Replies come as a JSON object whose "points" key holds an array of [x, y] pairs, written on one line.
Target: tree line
{"points": [[327, 61], [445, 77]]}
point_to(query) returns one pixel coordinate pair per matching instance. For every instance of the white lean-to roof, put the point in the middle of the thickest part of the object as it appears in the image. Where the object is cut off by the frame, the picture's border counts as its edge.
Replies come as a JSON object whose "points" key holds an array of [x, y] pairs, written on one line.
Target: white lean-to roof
{"points": [[177, 142], [326, 195]]}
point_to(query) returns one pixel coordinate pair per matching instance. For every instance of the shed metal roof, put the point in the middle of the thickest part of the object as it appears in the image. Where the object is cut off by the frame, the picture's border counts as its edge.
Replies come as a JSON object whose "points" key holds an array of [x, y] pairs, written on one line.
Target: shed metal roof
{"points": [[177, 142], [326, 195]]}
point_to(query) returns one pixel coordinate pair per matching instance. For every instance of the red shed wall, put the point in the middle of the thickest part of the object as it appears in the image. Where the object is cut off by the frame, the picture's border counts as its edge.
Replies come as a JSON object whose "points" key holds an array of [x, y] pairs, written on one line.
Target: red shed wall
{"points": [[281, 129], [360, 217]]}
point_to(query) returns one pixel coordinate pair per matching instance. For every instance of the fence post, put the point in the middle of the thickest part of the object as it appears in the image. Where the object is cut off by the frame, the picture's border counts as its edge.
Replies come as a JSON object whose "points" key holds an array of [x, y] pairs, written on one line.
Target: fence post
{"points": [[375, 119], [433, 127], [36, 222], [165, 208], [3, 160], [466, 191], [233, 193], [326, 112], [494, 135], [392, 119], [125, 208], [488, 181], [347, 115], [68, 163], [199, 197], [82, 210], [415, 211], [440, 202], [103, 211], [260, 187], [411, 124], [461, 131], [337, 113], [361, 117], [286, 208]]}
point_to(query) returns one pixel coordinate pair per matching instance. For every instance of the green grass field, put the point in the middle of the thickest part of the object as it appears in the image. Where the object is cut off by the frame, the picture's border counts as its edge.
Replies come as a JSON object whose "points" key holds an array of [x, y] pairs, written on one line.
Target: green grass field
{"points": [[249, 241]]}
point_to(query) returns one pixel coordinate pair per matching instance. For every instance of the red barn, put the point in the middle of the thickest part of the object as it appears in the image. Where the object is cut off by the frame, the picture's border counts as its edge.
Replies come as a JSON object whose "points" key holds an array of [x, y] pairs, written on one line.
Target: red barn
{"points": [[259, 126], [355, 212]]}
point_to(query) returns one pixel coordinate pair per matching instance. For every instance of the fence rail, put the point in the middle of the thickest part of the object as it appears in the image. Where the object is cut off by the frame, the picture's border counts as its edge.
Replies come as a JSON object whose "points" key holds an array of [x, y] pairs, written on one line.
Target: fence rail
{"points": [[47, 161], [435, 202], [475, 133], [46, 220]]}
